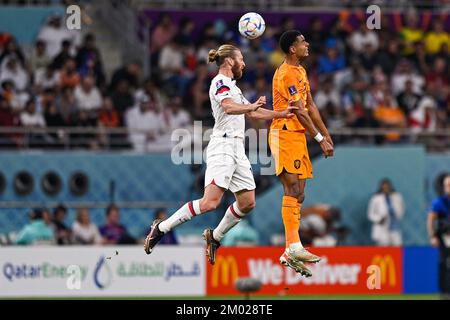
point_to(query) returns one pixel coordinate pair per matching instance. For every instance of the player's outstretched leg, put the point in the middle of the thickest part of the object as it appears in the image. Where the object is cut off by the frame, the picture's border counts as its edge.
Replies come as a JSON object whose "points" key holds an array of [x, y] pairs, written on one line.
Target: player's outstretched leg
{"points": [[210, 201], [291, 207], [211, 245], [153, 236], [295, 264], [244, 204]]}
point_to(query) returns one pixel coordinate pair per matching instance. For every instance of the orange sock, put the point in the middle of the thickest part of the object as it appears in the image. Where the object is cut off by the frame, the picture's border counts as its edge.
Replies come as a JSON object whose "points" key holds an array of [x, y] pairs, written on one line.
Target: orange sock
{"points": [[291, 219], [299, 215]]}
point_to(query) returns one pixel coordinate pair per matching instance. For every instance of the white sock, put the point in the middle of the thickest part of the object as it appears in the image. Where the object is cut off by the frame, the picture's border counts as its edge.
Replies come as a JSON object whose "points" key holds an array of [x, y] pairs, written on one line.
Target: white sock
{"points": [[296, 245], [185, 213], [231, 218]]}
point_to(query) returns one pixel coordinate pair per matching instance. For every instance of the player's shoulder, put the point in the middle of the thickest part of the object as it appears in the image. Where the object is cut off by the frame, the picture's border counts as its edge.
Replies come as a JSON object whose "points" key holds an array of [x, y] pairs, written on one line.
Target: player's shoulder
{"points": [[220, 81]]}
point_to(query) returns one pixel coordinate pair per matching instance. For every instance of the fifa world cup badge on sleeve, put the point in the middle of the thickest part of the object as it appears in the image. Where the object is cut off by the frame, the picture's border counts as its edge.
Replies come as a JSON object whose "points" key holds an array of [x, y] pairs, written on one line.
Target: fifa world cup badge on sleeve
{"points": [[292, 90]]}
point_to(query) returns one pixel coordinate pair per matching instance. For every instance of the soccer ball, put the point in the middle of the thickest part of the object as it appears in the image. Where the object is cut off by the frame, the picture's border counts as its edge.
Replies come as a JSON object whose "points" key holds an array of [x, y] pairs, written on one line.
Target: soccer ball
{"points": [[251, 25]]}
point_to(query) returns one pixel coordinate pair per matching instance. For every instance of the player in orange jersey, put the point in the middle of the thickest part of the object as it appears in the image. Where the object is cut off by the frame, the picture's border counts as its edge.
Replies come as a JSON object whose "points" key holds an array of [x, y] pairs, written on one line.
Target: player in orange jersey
{"points": [[287, 142]]}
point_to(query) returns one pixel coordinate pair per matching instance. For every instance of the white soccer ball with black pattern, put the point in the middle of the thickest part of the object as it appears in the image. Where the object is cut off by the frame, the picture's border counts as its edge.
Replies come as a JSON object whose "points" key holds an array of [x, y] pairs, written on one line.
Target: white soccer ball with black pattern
{"points": [[251, 25]]}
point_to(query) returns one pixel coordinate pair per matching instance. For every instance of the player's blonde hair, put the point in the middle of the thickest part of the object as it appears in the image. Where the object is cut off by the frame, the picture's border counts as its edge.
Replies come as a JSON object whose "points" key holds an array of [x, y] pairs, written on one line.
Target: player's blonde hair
{"points": [[219, 55]]}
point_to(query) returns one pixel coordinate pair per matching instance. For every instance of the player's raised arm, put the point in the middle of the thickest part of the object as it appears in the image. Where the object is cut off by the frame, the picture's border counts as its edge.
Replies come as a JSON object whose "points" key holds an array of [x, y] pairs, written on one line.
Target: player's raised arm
{"points": [[231, 107], [303, 116], [317, 119], [266, 114]]}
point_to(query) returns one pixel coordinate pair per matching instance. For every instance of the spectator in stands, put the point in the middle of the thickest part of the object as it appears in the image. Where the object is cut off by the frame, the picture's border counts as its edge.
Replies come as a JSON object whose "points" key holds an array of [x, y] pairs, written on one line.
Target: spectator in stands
{"points": [[12, 51], [437, 37], [389, 115], [113, 232], [85, 139], [438, 226], [38, 232], [122, 99], [315, 35], [9, 119], [403, 73], [108, 118], [320, 226], [173, 71], [88, 97], [368, 57], [332, 60], [62, 232], [46, 78], [198, 93], [67, 105], [412, 32], [89, 60], [13, 71], [385, 210], [130, 72], [15, 99], [424, 117], [407, 100], [389, 55], [162, 34], [39, 59], [176, 116], [45, 100], [327, 94], [63, 55], [438, 81], [253, 54], [419, 59], [84, 231], [361, 38], [143, 118], [261, 69], [185, 35], [261, 88], [30, 117], [53, 33], [68, 76]]}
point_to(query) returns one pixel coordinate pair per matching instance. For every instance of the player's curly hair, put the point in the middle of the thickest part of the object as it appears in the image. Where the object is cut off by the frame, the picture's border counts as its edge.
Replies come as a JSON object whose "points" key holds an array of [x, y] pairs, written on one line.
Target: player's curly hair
{"points": [[219, 55], [288, 38]]}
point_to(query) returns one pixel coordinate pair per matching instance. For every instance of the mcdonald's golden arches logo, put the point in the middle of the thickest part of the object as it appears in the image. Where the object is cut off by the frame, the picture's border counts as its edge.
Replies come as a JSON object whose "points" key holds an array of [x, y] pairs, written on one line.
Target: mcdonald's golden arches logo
{"points": [[387, 268], [225, 269]]}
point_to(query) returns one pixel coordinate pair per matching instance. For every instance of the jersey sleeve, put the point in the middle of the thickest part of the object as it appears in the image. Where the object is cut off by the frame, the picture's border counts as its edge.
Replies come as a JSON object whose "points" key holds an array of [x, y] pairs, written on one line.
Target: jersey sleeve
{"points": [[289, 87], [222, 89], [293, 87], [436, 206]]}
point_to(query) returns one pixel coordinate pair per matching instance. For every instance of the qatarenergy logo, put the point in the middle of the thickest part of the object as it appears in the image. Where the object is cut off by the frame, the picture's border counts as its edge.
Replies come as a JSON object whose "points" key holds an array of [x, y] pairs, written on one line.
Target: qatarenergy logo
{"points": [[15, 272]]}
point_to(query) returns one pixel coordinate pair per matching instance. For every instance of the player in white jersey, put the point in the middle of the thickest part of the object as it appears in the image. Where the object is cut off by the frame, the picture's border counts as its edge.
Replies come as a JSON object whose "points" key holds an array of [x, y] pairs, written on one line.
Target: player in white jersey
{"points": [[227, 166]]}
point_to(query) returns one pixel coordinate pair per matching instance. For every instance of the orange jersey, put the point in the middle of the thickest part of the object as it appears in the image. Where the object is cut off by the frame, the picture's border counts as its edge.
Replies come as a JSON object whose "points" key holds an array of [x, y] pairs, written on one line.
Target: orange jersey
{"points": [[290, 83]]}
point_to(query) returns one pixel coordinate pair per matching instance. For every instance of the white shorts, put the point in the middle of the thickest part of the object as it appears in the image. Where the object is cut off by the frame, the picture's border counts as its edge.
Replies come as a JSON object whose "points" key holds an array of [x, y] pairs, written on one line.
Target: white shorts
{"points": [[227, 166]]}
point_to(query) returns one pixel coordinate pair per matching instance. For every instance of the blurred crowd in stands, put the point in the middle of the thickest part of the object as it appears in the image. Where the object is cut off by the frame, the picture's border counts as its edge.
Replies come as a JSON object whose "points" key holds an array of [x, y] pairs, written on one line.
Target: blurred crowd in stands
{"points": [[360, 78], [50, 228]]}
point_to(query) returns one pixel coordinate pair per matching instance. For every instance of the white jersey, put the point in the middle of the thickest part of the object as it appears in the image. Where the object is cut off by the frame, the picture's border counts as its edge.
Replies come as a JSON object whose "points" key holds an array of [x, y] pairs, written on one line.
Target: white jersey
{"points": [[223, 87], [227, 166]]}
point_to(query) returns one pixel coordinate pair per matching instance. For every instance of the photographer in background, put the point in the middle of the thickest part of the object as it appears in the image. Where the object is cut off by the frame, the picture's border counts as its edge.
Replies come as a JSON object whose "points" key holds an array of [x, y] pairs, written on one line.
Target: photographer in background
{"points": [[438, 225]]}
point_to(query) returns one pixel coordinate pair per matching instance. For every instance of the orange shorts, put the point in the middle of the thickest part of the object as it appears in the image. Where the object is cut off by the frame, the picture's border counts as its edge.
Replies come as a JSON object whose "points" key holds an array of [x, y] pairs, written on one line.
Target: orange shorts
{"points": [[290, 151]]}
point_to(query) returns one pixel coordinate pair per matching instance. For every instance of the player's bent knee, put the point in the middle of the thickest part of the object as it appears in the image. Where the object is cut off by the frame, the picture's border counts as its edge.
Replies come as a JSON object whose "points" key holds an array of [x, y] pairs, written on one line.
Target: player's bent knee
{"points": [[248, 207], [209, 205], [293, 192], [301, 198]]}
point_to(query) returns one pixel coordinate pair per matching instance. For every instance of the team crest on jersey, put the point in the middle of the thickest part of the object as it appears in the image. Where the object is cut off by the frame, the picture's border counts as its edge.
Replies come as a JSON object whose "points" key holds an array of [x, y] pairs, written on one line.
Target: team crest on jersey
{"points": [[292, 90], [221, 87], [297, 164]]}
